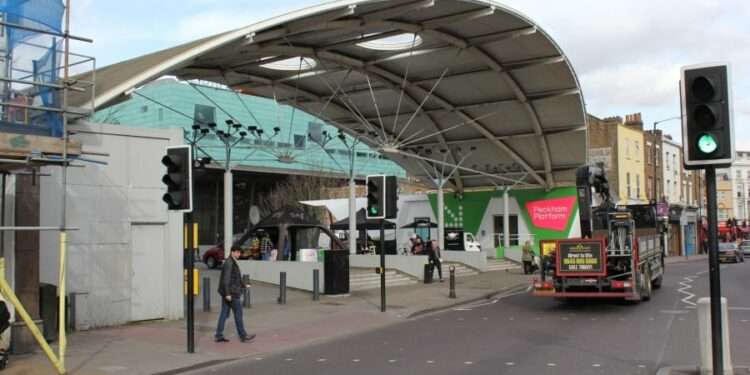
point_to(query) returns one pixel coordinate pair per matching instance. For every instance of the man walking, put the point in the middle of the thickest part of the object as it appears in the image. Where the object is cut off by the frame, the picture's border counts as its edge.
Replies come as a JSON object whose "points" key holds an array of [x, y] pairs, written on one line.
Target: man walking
{"points": [[230, 289]]}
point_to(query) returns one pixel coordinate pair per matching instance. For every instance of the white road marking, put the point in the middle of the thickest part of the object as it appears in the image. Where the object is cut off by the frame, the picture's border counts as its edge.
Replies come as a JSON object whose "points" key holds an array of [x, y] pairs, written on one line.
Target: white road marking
{"points": [[743, 321], [675, 312], [355, 360], [565, 318], [468, 363], [687, 284], [621, 319], [485, 318], [391, 361], [289, 359], [321, 359], [461, 319], [551, 364], [739, 308], [680, 318], [641, 366], [430, 361], [510, 363], [258, 358], [596, 365]]}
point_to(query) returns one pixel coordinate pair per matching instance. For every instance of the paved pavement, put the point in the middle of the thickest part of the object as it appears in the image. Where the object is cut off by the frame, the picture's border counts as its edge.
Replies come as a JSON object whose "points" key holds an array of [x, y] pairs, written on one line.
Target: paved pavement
{"points": [[522, 334], [160, 346]]}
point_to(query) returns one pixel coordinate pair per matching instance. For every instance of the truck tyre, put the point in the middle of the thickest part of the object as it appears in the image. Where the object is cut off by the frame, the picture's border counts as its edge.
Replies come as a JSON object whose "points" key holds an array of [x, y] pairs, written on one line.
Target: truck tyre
{"points": [[211, 262], [646, 292], [656, 284]]}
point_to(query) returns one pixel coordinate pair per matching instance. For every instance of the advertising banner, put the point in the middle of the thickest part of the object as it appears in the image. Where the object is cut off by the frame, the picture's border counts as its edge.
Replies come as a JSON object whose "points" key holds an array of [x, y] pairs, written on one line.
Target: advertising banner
{"points": [[581, 258]]}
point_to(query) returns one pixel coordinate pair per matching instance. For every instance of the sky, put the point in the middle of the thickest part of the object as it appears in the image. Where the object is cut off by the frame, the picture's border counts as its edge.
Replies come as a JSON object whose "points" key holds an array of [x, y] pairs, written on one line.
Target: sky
{"points": [[627, 54]]}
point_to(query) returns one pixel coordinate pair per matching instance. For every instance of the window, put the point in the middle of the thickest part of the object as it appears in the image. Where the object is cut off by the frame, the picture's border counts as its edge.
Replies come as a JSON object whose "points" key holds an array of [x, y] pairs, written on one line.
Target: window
{"points": [[283, 144], [161, 114], [144, 108], [512, 230], [637, 151], [315, 130], [627, 150], [739, 175], [299, 141], [650, 186], [667, 187], [638, 186], [667, 164], [627, 181]]}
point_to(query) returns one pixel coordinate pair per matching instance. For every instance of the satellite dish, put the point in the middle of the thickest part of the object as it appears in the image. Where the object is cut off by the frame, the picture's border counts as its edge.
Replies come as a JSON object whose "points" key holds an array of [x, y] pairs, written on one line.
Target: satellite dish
{"points": [[254, 215]]}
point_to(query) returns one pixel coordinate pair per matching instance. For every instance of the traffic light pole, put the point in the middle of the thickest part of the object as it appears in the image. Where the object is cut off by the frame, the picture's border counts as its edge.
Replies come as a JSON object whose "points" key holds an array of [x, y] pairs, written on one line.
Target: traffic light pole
{"points": [[190, 319], [714, 275], [382, 265]]}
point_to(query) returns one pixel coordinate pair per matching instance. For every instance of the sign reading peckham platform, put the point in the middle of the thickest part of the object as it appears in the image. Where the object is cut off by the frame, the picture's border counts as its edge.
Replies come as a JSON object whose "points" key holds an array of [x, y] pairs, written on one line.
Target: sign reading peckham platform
{"points": [[581, 258]]}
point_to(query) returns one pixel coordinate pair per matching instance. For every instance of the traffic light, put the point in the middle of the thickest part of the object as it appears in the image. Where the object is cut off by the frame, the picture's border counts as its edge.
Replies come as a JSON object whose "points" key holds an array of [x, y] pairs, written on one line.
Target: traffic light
{"points": [[376, 197], [391, 197], [179, 178], [382, 197], [707, 132]]}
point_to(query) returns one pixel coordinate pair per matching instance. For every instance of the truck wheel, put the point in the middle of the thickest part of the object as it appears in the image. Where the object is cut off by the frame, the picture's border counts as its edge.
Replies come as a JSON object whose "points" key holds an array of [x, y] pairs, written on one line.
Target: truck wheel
{"points": [[646, 292], [656, 284]]}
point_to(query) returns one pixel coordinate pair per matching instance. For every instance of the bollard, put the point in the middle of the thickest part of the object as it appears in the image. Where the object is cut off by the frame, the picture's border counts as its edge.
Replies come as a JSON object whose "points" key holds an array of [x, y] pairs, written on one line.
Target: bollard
{"points": [[206, 294], [452, 293], [704, 333], [282, 288], [316, 285], [246, 296]]}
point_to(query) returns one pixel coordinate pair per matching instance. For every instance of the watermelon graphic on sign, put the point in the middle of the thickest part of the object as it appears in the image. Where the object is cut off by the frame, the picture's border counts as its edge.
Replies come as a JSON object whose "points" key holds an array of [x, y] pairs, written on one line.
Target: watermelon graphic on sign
{"points": [[550, 213]]}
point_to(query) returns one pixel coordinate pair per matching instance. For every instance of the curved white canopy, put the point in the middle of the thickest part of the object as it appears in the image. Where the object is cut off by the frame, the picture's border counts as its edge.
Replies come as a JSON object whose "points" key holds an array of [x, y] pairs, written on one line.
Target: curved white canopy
{"points": [[432, 83]]}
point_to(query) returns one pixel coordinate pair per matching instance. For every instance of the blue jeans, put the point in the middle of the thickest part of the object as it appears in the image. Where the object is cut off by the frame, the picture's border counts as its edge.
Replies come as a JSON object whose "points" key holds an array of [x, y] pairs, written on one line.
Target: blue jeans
{"points": [[236, 307]]}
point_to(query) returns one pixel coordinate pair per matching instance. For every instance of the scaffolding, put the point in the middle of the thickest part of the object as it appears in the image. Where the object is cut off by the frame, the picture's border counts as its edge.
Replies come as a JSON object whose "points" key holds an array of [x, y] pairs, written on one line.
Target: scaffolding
{"points": [[36, 67]]}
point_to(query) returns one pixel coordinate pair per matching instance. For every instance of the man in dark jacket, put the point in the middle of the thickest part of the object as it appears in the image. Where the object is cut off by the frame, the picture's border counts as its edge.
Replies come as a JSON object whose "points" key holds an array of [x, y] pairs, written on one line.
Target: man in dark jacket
{"points": [[230, 289]]}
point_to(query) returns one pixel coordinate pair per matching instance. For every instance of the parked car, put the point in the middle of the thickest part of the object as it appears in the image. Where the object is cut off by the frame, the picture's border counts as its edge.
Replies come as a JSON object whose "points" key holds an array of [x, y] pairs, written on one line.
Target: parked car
{"points": [[745, 248], [214, 256], [730, 252]]}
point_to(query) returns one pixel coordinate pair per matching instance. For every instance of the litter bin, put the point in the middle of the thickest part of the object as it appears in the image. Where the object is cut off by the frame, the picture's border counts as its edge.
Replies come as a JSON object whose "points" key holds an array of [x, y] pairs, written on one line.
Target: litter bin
{"points": [[336, 272], [48, 305], [428, 273]]}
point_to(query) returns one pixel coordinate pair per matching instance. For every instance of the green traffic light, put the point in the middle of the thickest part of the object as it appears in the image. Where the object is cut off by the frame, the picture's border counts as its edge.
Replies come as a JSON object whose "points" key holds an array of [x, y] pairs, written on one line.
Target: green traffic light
{"points": [[707, 143], [373, 210]]}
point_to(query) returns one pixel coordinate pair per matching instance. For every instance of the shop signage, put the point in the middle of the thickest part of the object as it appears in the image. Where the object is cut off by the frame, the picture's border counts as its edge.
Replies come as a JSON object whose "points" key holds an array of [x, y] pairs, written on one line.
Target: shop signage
{"points": [[551, 213]]}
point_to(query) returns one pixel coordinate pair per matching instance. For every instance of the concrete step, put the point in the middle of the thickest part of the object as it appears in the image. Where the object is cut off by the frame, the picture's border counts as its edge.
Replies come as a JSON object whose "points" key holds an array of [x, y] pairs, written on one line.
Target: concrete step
{"points": [[501, 265], [362, 279], [460, 270]]}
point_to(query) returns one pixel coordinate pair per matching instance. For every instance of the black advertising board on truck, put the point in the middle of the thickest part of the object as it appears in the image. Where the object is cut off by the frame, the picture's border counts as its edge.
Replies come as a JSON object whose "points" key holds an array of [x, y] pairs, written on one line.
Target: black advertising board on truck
{"points": [[581, 258]]}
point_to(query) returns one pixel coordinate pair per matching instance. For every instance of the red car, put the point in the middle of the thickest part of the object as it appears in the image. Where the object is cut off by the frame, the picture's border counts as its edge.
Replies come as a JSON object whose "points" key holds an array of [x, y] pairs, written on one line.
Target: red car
{"points": [[214, 256]]}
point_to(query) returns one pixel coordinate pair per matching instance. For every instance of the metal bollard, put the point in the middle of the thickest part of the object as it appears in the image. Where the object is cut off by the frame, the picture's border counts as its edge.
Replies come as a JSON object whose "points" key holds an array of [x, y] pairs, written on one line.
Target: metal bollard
{"points": [[282, 288], [452, 293], [316, 285], [246, 296], [206, 294]]}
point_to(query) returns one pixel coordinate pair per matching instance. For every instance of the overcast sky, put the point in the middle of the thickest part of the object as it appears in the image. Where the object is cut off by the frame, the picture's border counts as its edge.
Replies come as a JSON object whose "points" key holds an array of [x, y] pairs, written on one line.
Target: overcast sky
{"points": [[627, 54]]}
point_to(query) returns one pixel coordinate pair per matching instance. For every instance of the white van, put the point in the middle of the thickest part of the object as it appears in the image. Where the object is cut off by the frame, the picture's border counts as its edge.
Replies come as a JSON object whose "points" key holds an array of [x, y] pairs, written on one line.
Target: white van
{"points": [[459, 240]]}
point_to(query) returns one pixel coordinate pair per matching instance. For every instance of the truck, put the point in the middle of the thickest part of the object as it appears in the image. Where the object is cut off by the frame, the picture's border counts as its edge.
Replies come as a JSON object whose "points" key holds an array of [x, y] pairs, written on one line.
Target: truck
{"points": [[620, 253]]}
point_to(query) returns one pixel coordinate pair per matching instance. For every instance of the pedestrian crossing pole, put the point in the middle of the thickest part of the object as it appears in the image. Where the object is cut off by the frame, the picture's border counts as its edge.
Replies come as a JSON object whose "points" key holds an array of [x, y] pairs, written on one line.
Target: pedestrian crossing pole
{"points": [[714, 273], [191, 239], [382, 265]]}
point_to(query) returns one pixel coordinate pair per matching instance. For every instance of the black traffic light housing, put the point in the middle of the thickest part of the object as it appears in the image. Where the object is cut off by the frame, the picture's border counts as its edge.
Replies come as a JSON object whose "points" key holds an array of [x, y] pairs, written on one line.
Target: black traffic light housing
{"points": [[382, 197], [707, 129], [376, 197], [179, 178]]}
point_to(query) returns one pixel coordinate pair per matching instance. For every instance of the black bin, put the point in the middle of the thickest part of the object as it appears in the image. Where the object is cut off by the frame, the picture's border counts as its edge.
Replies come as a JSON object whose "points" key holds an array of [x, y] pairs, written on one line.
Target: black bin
{"points": [[48, 304], [336, 271], [428, 273]]}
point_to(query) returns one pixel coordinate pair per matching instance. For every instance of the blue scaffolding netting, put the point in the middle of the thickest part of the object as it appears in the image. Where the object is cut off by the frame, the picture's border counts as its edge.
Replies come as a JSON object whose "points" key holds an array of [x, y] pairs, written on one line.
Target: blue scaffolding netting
{"points": [[32, 56]]}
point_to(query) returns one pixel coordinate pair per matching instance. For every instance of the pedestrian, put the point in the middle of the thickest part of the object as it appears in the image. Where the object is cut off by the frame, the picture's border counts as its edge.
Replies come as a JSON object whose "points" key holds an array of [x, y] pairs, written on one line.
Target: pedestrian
{"points": [[527, 257], [433, 252], [230, 289], [265, 247]]}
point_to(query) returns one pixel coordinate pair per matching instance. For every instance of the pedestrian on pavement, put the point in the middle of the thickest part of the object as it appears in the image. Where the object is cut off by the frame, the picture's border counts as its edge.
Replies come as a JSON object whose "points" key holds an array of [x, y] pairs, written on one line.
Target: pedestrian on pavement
{"points": [[433, 252], [527, 257], [230, 289]]}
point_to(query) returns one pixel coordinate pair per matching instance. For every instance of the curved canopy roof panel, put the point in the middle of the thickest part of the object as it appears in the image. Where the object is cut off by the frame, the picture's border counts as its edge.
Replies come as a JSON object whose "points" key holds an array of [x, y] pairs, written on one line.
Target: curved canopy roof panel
{"points": [[432, 83]]}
